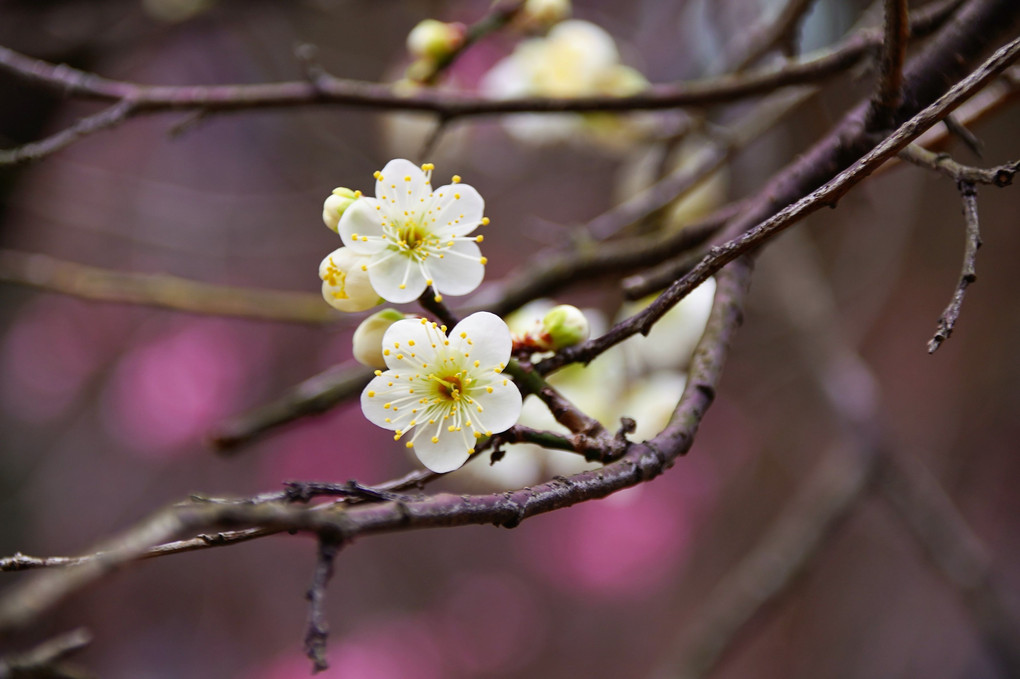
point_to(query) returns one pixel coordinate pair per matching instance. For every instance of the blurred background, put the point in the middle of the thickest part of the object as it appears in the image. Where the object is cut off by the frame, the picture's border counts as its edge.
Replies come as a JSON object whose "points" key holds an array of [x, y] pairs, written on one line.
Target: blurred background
{"points": [[105, 409]]}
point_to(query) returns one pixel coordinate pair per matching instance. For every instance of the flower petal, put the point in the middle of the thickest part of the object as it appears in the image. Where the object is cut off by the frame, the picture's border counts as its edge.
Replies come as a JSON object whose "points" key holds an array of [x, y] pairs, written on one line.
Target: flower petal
{"points": [[485, 337], [396, 276], [377, 403], [409, 343], [457, 209], [460, 270], [449, 453], [363, 219], [501, 409], [396, 179]]}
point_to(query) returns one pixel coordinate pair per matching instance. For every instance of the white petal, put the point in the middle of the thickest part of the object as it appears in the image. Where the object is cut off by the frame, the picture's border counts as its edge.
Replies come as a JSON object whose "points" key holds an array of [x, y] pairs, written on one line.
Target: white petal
{"points": [[460, 270], [373, 403], [506, 80], [396, 277], [396, 179], [500, 409], [448, 454], [362, 219], [457, 208], [490, 342], [407, 337], [345, 282]]}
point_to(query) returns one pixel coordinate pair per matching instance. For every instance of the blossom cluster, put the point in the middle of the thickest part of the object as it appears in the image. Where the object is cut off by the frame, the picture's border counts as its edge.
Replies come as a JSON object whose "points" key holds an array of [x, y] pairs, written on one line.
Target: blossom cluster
{"points": [[405, 239]]}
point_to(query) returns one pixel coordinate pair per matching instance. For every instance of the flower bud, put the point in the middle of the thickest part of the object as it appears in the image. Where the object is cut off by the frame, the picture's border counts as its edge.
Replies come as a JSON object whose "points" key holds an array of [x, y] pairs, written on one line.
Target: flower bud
{"points": [[336, 204], [345, 284], [369, 336], [544, 13], [435, 40], [565, 326]]}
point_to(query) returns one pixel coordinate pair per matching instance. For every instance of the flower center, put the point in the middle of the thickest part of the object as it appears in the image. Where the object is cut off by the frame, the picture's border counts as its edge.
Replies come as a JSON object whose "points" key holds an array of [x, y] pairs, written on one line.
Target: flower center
{"points": [[450, 387], [411, 235], [336, 277]]}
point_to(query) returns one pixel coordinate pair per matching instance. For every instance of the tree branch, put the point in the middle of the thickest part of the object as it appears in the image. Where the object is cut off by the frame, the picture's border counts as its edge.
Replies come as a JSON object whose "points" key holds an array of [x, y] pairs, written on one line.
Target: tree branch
{"points": [[889, 94], [161, 290], [827, 194], [968, 274], [148, 99]]}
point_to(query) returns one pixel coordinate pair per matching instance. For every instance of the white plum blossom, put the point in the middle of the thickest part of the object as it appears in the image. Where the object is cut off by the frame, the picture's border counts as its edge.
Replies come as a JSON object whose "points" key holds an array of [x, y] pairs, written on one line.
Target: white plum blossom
{"points": [[414, 236], [449, 389]]}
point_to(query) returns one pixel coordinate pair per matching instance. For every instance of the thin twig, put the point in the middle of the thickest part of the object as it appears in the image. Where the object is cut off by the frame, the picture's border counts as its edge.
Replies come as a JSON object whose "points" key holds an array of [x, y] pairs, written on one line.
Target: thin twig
{"points": [[889, 93], [827, 194], [957, 553], [44, 660], [144, 99], [315, 395], [969, 139], [780, 33], [161, 290], [28, 599], [104, 120], [498, 17], [851, 390], [968, 274], [772, 567], [433, 303], [943, 163], [318, 628]]}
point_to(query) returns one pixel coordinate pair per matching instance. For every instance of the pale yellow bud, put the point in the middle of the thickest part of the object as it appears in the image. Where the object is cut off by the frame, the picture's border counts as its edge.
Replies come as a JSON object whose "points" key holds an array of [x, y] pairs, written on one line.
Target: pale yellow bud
{"points": [[345, 283], [369, 335], [335, 205], [566, 326], [434, 40], [544, 13]]}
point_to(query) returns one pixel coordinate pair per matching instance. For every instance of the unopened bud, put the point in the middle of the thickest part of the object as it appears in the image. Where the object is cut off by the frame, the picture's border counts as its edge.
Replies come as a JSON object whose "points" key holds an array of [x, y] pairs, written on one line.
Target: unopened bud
{"points": [[565, 326], [369, 336], [345, 283], [544, 13], [435, 40], [336, 204]]}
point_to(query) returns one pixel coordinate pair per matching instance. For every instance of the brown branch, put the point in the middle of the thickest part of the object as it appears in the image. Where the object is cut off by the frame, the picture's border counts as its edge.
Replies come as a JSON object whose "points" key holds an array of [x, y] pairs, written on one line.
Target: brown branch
{"points": [[325, 89], [161, 290], [497, 18], [968, 274], [44, 661], [851, 390], [315, 395], [969, 139], [957, 553], [889, 93], [772, 567], [779, 33], [827, 194], [944, 164], [28, 599], [318, 629], [104, 120]]}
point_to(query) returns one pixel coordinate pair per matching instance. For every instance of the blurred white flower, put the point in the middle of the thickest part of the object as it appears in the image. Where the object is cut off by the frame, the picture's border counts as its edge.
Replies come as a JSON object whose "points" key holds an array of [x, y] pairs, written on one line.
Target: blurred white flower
{"points": [[450, 390], [576, 59], [641, 169], [671, 342], [415, 237]]}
